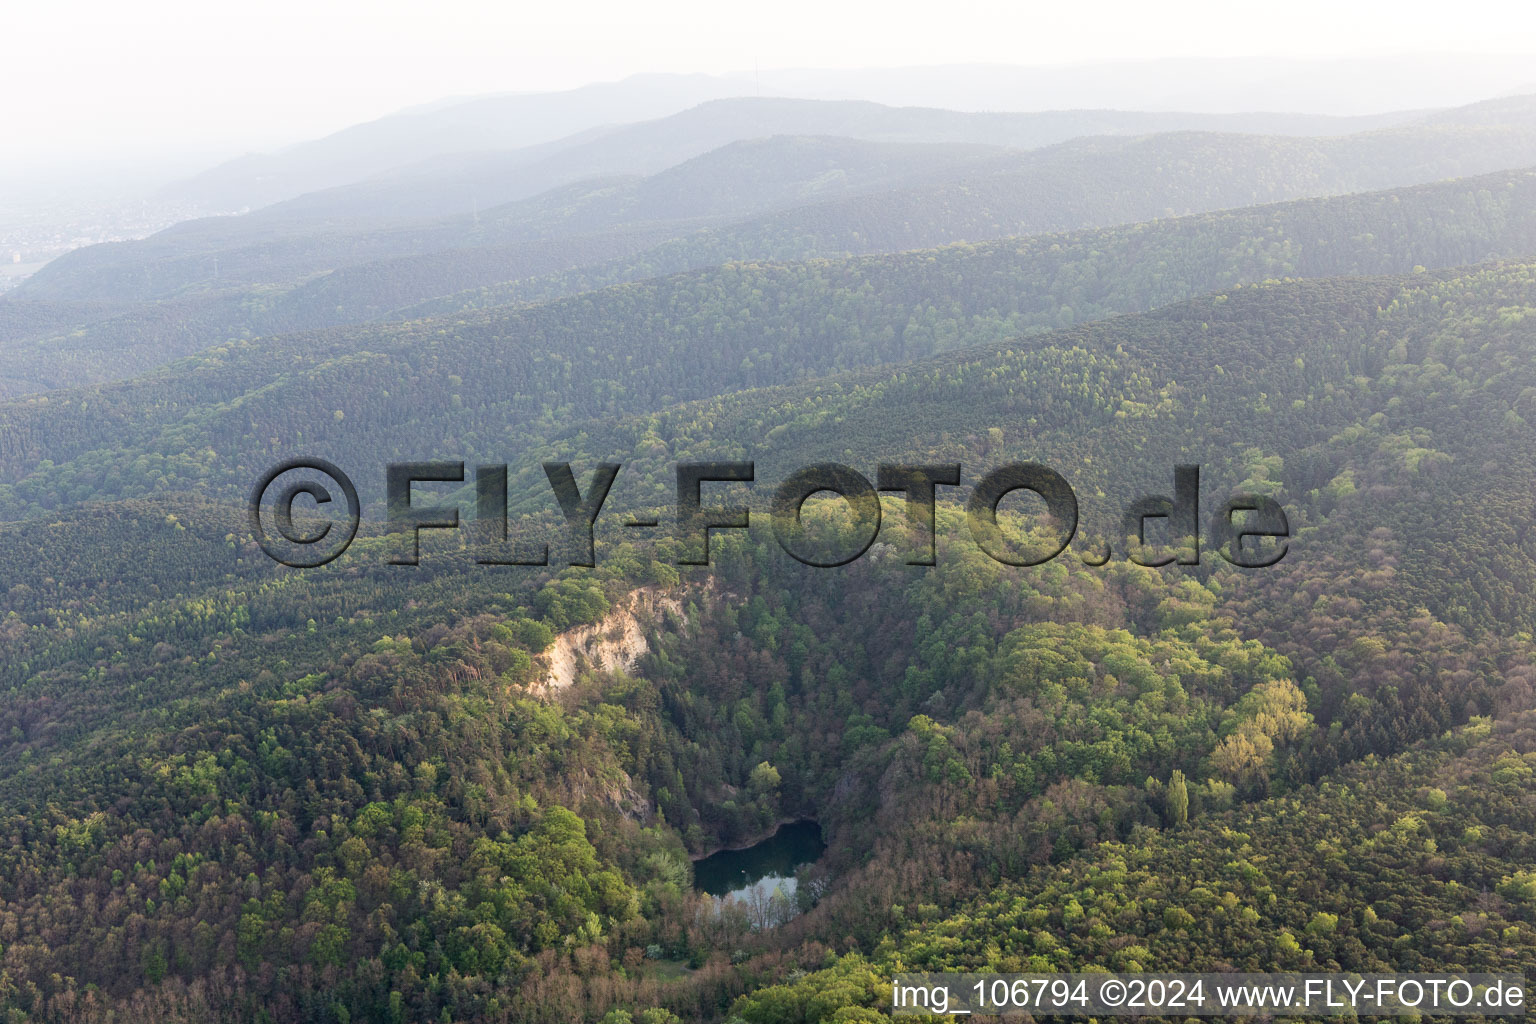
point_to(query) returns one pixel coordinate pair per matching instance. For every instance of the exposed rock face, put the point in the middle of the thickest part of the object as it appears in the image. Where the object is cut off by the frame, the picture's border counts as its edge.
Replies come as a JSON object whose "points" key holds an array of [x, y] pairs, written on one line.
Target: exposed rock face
{"points": [[616, 642]]}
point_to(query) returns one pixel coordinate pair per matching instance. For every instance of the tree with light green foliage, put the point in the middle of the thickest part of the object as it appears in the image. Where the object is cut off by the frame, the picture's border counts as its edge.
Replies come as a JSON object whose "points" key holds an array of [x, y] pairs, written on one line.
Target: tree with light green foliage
{"points": [[1178, 799]]}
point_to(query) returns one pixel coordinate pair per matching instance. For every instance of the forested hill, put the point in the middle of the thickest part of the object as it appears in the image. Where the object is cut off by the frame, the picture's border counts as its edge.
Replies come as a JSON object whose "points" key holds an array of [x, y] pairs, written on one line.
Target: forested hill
{"points": [[498, 383], [607, 232], [1260, 888], [1082, 183], [1385, 402], [1441, 224], [282, 245], [341, 794]]}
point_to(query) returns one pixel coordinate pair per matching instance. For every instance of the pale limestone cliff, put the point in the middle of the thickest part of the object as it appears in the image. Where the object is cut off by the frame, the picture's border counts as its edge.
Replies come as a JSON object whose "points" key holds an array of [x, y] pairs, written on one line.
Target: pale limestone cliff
{"points": [[615, 642]]}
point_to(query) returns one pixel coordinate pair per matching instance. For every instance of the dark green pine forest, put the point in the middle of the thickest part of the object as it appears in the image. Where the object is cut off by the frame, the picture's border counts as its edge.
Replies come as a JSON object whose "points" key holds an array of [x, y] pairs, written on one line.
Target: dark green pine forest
{"points": [[235, 791]]}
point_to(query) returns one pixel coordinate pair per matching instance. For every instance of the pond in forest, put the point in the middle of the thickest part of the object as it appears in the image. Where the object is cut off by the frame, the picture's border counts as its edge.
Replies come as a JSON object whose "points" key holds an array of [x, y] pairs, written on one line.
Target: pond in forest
{"points": [[763, 869]]}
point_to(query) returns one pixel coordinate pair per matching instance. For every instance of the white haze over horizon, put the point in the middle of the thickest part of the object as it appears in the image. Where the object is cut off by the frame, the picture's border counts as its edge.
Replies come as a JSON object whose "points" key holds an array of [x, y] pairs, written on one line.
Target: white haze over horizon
{"points": [[171, 86]]}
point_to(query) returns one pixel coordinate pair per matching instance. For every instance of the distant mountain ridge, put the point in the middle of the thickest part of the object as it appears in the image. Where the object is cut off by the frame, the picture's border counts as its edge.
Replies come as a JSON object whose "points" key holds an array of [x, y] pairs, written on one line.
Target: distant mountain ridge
{"points": [[1084, 182], [483, 140], [410, 136], [1330, 86]]}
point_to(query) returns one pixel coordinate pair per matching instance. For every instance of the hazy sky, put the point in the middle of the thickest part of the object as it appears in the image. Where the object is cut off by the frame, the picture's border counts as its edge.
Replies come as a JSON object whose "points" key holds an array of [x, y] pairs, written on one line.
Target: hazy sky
{"points": [[211, 78]]}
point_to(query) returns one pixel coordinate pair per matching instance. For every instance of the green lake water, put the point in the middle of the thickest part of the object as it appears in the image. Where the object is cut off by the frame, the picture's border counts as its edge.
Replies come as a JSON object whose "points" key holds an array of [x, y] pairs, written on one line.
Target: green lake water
{"points": [[767, 866]]}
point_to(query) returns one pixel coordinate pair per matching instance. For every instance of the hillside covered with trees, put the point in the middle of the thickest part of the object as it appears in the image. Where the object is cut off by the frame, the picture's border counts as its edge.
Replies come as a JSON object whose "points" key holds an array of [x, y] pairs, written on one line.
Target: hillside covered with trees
{"points": [[237, 791]]}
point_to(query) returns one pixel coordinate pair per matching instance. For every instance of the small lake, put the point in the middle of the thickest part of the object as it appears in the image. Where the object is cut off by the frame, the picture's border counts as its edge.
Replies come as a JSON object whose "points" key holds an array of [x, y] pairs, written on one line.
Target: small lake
{"points": [[766, 867]]}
